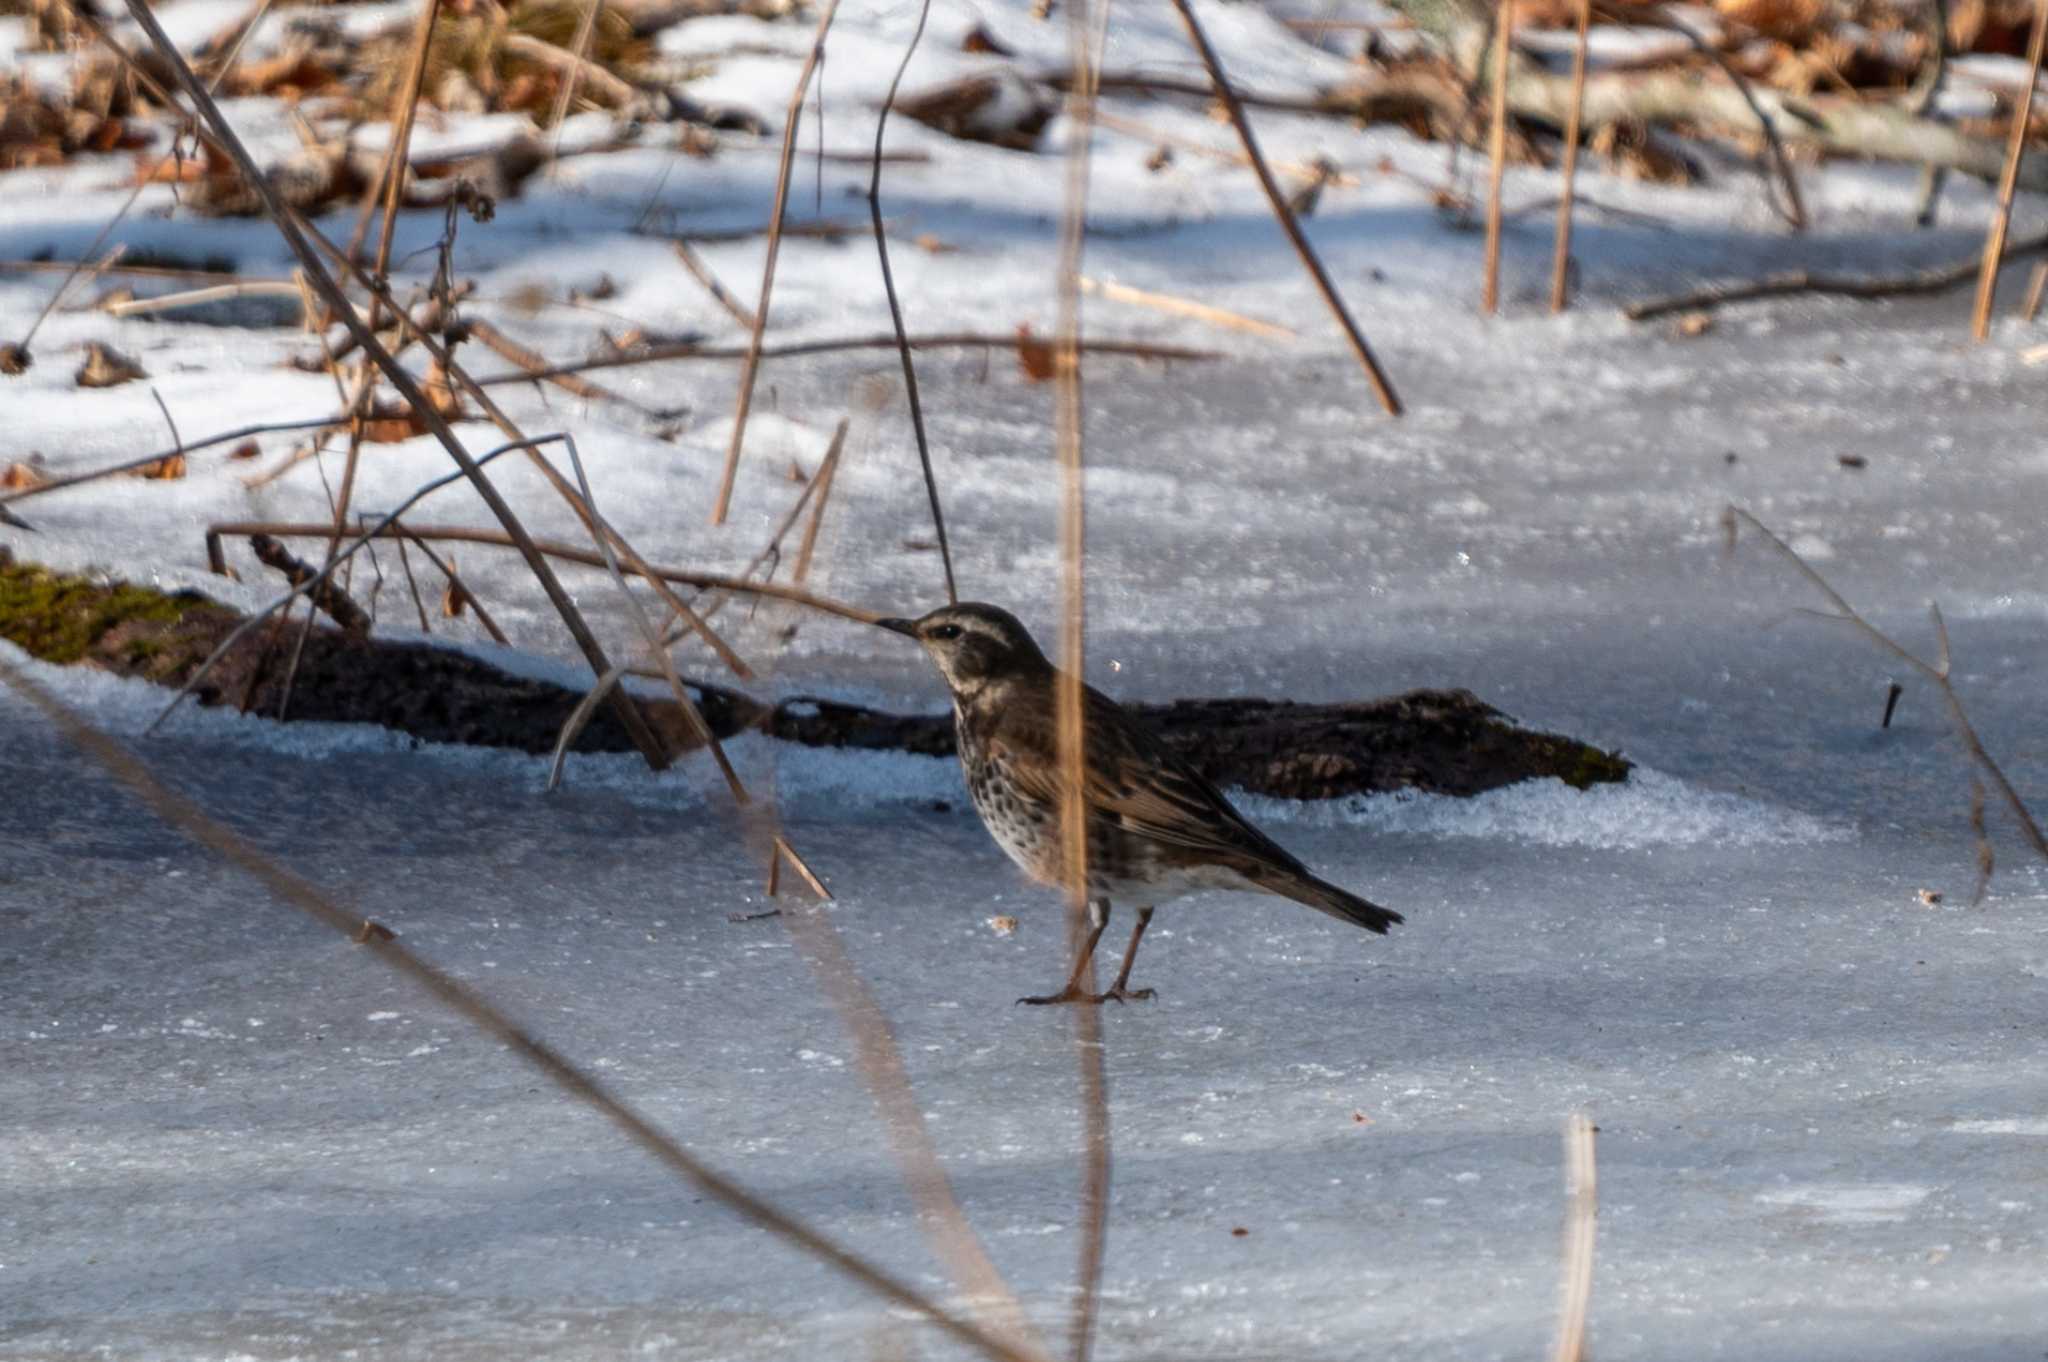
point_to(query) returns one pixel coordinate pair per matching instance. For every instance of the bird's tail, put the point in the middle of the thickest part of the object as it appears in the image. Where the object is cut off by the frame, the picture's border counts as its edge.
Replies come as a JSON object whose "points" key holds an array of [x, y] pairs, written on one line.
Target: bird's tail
{"points": [[1328, 898]]}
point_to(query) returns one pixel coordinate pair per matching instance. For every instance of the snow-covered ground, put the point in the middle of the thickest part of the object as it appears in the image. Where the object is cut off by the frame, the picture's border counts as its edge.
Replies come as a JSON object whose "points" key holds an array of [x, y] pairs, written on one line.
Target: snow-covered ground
{"points": [[1821, 1102]]}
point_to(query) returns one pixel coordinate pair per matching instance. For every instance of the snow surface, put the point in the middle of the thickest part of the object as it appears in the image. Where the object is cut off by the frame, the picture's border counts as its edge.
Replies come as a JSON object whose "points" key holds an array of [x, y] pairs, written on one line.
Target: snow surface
{"points": [[1820, 1100]]}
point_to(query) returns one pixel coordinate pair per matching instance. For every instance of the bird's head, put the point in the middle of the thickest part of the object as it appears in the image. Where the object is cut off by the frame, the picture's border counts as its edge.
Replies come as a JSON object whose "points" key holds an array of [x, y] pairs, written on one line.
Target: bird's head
{"points": [[974, 645]]}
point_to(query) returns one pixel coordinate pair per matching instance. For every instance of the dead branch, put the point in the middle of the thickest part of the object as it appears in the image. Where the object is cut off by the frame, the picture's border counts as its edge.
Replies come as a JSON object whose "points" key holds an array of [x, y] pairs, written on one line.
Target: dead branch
{"points": [[129, 465], [1561, 257], [703, 275], [536, 364], [1937, 280], [1185, 307], [325, 594]]}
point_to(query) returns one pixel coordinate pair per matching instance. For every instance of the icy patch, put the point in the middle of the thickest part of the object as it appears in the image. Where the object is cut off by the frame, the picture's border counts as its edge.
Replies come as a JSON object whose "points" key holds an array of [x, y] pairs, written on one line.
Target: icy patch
{"points": [[1851, 1203], [2005, 1125], [1649, 809]]}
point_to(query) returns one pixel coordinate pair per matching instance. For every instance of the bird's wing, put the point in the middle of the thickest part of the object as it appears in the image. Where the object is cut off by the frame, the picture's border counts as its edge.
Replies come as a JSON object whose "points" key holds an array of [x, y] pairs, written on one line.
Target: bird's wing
{"points": [[1135, 782]]}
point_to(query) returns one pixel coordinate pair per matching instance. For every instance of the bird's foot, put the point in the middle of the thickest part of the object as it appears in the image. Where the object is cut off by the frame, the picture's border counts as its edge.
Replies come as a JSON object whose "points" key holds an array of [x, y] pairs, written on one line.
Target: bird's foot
{"points": [[1118, 994]]}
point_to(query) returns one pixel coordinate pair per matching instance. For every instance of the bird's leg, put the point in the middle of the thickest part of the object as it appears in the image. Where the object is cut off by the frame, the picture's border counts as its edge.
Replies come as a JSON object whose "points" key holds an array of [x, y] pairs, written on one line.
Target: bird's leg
{"points": [[1121, 990], [1098, 918]]}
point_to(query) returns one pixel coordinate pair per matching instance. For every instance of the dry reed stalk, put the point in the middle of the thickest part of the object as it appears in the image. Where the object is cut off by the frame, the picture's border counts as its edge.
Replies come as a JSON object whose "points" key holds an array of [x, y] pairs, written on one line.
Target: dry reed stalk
{"points": [[1185, 307], [586, 29], [1084, 49], [1582, 1204], [171, 302], [1561, 258], [1496, 153], [567, 553], [752, 365], [952, 340], [289, 226], [463, 1000], [703, 275], [692, 716], [1288, 223], [924, 448], [1936, 672], [2001, 217], [822, 481], [879, 1061], [126, 271], [404, 105], [2035, 284], [128, 465]]}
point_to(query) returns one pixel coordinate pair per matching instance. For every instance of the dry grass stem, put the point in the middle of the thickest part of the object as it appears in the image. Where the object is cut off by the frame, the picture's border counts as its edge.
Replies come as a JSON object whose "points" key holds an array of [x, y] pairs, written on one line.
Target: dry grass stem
{"points": [[1288, 222], [1582, 1204], [1185, 307], [290, 227], [586, 28], [1936, 672], [2001, 217], [701, 272], [924, 448], [1496, 152], [316, 903], [1561, 258], [752, 365], [1084, 48]]}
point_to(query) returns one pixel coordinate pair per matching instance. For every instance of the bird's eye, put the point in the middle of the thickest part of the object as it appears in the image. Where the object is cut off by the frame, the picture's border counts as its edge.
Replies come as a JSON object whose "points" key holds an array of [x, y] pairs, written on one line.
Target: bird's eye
{"points": [[947, 631]]}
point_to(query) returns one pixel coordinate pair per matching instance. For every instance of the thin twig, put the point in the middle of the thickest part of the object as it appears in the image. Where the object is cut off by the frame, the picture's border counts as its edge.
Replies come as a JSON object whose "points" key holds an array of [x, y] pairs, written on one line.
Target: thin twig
{"points": [[954, 340], [501, 344], [2031, 308], [567, 553], [924, 449], [1283, 211], [1582, 1204], [316, 903], [1496, 154], [586, 29], [1936, 673], [1561, 259], [64, 287], [456, 585], [1937, 280], [127, 465], [694, 263], [2001, 218], [171, 302], [752, 365]]}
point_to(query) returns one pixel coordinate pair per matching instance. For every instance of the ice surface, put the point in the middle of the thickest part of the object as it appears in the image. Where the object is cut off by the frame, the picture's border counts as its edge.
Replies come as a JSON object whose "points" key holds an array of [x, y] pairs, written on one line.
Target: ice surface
{"points": [[229, 1135]]}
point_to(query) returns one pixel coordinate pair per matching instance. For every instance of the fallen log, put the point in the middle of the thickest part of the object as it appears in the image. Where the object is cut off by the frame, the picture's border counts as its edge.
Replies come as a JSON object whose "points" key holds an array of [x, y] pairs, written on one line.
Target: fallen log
{"points": [[1437, 741]]}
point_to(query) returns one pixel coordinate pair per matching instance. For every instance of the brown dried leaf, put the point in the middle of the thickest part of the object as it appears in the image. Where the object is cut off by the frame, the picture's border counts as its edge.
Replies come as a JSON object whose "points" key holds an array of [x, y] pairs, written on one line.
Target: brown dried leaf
{"points": [[15, 358], [20, 476], [106, 367], [1038, 359], [167, 469], [248, 449]]}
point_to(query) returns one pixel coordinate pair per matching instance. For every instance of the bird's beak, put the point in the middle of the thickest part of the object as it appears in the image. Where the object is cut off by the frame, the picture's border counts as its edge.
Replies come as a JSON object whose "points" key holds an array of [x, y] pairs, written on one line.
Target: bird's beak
{"points": [[907, 628]]}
